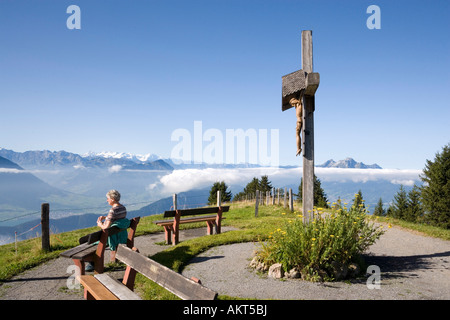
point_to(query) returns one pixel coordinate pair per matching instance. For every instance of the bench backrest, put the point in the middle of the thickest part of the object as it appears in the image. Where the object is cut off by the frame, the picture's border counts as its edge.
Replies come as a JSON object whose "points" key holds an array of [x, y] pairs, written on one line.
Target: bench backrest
{"points": [[174, 282], [96, 236], [196, 211]]}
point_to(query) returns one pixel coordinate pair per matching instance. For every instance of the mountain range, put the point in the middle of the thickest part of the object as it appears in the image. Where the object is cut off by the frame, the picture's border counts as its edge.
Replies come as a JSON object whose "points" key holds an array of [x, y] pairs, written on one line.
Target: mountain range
{"points": [[348, 163], [57, 159], [63, 159]]}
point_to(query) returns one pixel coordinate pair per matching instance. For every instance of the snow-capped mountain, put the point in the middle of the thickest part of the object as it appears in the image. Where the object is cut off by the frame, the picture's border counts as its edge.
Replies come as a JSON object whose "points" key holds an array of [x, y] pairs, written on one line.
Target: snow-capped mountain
{"points": [[39, 159], [149, 157], [348, 163]]}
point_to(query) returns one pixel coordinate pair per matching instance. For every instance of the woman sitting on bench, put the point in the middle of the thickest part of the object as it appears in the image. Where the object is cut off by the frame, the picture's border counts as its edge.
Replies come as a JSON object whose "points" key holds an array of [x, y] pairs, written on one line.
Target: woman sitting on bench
{"points": [[116, 218]]}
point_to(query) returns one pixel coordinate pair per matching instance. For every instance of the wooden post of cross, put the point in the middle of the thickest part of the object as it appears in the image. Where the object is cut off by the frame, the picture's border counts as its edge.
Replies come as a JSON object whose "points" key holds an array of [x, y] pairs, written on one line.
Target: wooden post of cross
{"points": [[298, 90]]}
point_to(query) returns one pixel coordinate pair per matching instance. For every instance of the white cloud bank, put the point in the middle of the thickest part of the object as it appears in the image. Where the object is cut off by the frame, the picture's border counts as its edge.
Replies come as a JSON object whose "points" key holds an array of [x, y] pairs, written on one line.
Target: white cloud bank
{"points": [[115, 168], [188, 179], [10, 170]]}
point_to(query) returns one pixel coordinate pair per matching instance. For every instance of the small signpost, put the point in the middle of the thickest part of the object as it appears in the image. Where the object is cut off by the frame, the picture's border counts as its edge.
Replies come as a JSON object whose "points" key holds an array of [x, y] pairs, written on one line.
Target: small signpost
{"points": [[298, 90]]}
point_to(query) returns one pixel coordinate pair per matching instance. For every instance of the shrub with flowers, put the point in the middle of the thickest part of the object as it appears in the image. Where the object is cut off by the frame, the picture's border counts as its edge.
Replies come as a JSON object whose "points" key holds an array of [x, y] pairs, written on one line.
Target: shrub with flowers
{"points": [[332, 239]]}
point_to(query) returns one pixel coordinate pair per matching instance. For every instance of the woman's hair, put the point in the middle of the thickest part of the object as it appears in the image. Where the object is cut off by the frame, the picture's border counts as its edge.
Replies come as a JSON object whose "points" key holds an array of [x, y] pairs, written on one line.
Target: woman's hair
{"points": [[114, 195]]}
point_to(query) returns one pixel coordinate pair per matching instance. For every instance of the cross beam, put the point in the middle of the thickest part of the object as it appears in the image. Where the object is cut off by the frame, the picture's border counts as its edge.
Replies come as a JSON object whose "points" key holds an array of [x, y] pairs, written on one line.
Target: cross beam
{"points": [[298, 90]]}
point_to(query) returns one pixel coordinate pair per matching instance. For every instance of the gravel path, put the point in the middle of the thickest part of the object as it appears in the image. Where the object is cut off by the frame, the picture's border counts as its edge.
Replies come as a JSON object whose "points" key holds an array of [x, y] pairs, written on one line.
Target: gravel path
{"points": [[412, 267]]}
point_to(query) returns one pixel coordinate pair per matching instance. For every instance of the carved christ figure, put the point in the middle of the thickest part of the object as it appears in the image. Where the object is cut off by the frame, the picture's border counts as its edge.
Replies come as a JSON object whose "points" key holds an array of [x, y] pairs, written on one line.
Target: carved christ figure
{"points": [[299, 112]]}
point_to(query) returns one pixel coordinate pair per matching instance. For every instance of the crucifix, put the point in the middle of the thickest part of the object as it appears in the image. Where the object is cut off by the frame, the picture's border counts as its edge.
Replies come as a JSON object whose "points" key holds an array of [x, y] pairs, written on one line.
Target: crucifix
{"points": [[298, 90]]}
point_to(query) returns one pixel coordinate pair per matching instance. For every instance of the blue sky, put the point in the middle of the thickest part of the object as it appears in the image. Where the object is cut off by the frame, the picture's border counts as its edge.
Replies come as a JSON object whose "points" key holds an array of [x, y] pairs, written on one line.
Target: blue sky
{"points": [[138, 70]]}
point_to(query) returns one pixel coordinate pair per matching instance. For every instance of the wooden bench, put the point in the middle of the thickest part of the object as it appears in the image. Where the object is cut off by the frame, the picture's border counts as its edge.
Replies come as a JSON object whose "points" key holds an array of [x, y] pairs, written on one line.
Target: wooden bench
{"points": [[90, 251], [104, 287], [171, 227]]}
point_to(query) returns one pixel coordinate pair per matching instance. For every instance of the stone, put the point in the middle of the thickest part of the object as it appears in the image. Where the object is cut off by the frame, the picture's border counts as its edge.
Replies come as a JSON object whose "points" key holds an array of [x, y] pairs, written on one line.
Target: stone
{"points": [[293, 274], [261, 267], [339, 271], [276, 271], [254, 263], [258, 265], [353, 270]]}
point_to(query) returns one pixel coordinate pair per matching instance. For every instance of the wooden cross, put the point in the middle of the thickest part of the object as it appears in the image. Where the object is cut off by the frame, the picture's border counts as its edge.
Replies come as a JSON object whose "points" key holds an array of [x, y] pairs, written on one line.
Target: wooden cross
{"points": [[298, 90]]}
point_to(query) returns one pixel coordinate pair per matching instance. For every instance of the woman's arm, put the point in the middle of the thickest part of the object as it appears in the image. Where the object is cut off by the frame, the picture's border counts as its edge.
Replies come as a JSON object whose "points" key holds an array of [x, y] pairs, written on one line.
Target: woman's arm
{"points": [[103, 225]]}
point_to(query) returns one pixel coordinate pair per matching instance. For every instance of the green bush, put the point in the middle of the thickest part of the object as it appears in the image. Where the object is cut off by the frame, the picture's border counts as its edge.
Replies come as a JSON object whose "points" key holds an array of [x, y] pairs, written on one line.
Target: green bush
{"points": [[336, 237]]}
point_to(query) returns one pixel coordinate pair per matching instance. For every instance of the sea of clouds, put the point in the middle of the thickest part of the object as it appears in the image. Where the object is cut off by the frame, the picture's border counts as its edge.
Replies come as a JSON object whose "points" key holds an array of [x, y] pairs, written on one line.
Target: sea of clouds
{"points": [[188, 179]]}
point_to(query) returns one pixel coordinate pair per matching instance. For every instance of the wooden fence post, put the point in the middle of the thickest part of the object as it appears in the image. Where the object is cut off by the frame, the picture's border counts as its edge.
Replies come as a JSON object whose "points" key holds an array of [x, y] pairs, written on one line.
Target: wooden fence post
{"points": [[174, 198], [219, 199], [256, 203], [285, 198], [291, 200], [45, 226]]}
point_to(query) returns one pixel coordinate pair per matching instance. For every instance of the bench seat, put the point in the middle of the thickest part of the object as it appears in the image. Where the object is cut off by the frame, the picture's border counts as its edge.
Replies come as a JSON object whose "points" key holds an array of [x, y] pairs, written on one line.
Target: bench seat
{"points": [[186, 220]]}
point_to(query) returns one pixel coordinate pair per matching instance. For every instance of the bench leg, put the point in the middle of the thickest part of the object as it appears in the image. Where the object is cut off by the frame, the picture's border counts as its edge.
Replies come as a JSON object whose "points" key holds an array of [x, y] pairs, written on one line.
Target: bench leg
{"points": [[175, 236], [129, 278], [218, 227], [176, 228], [168, 234], [80, 265], [130, 275], [211, 225], [88, 295], [99, 264], [219, 221]]}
